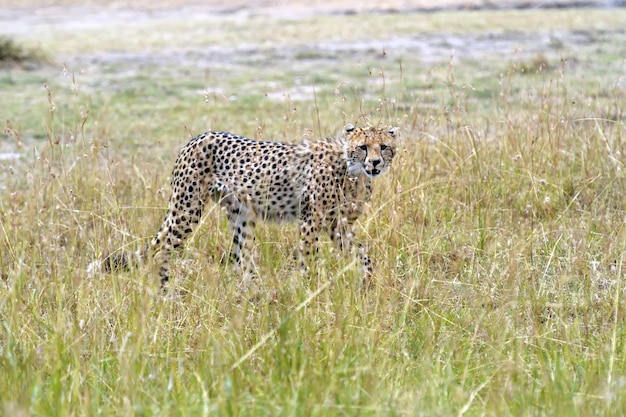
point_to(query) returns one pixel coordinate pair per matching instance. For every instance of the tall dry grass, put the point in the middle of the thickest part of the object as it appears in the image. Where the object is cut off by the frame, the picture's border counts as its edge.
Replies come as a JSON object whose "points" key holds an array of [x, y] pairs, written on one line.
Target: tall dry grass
{"points": [[498, 240]]}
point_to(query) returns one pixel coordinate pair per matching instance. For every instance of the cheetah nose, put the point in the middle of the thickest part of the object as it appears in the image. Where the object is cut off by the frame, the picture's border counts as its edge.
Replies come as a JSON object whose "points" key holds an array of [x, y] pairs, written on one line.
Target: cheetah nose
{"points": [[376, 162]]}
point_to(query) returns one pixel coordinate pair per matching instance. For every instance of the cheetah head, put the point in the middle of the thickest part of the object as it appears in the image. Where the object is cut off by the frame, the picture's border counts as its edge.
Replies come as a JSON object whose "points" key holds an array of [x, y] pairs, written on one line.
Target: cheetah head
{"points": [[370, 149]]}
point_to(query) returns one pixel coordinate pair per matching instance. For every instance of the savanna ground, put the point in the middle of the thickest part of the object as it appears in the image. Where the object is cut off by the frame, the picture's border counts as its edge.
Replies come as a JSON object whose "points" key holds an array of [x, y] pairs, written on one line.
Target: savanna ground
{"points": [[498, 236]]}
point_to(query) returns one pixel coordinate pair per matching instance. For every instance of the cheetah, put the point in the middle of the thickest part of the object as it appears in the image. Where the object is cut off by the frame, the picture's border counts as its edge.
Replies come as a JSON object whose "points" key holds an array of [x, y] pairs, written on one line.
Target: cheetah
{"points": [[323, 185]]}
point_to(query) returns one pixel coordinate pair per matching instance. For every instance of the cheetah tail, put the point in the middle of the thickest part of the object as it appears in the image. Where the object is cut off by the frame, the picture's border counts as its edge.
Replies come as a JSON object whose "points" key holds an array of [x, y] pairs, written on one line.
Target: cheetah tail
{"points": [[117, 261]]}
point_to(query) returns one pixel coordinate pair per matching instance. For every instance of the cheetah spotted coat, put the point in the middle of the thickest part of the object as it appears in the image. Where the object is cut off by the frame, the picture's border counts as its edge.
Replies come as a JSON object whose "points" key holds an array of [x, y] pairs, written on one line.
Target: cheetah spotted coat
{"points": [[323, 185]]}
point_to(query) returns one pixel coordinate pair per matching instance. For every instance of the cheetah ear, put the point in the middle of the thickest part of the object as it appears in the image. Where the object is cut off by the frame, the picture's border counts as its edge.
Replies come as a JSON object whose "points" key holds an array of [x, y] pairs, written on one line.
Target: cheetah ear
{"points": [[348, 128], [392, 131]]}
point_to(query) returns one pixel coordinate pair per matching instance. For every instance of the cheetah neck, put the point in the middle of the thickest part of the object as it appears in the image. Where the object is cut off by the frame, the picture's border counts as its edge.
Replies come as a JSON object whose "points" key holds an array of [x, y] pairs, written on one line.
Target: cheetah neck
{"points": [[357, 188]]}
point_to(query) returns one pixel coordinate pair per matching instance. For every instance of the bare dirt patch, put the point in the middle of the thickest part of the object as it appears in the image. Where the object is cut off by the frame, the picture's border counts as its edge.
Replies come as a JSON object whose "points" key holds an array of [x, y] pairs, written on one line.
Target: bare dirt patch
{"points": [[43, 7], [20, 14], [30, 17]]}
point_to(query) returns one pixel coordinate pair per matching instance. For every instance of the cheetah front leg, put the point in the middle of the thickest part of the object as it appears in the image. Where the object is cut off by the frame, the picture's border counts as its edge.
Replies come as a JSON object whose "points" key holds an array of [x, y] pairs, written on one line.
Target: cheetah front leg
{"points": [[342, 234], [241, 221]]}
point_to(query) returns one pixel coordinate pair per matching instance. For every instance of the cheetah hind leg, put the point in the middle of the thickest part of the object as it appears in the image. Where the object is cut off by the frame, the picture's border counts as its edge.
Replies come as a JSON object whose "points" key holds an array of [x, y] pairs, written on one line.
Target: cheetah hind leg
{"points": [[183, 215], [309, 240]]}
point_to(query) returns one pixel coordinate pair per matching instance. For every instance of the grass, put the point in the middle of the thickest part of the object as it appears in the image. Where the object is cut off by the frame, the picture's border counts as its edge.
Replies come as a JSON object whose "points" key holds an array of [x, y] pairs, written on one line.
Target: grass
{"points": [[499, 235]]}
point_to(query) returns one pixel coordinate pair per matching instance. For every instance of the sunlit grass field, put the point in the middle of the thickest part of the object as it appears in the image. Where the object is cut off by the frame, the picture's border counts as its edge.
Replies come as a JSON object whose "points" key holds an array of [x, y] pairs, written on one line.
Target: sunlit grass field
{"points": [[498, 236]]}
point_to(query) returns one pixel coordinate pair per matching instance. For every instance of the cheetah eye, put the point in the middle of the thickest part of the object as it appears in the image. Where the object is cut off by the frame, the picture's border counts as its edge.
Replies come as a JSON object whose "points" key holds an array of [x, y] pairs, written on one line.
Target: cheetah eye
{"points": [[363, 147], [383, 147]]}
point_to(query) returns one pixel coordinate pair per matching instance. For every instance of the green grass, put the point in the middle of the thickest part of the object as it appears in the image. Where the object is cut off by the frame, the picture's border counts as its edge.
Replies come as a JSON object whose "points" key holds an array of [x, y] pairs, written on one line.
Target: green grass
{"points": [[498, 236]]}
